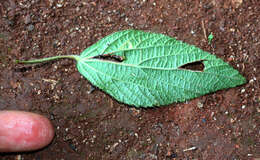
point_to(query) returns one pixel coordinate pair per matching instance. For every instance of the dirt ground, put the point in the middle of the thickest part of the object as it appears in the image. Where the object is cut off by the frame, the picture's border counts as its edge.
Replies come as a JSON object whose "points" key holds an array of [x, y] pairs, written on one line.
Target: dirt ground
{"points": [[93, 126]]}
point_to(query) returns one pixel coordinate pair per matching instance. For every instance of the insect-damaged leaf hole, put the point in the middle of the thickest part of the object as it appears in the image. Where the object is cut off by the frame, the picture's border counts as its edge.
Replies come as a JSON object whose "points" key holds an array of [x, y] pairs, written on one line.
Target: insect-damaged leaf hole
{"points": [[194, 66], [110, 57]]}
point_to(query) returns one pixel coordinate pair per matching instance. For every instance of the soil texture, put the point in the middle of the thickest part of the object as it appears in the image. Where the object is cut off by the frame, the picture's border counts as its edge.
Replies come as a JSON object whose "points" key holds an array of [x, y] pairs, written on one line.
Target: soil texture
{"points": [[91, 125]]}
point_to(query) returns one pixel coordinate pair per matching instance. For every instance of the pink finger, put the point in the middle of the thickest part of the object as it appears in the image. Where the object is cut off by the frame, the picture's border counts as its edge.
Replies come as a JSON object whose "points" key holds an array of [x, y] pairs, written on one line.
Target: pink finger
{"points": [[24, 131]]}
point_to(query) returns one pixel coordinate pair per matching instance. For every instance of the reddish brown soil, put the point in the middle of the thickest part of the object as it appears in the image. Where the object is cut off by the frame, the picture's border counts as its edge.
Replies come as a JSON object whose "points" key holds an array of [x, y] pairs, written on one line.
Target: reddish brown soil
{"points": [[223, 125]]}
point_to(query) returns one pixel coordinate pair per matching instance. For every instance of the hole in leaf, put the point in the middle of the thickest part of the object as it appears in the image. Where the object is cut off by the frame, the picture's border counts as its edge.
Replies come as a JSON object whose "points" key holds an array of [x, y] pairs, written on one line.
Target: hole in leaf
{"points": [[194, 66], [110, 57]]}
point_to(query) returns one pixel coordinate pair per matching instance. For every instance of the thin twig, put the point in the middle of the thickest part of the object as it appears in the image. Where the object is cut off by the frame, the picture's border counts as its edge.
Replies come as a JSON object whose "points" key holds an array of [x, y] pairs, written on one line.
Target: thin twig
{"points": [[190, 149], [204, 30]]}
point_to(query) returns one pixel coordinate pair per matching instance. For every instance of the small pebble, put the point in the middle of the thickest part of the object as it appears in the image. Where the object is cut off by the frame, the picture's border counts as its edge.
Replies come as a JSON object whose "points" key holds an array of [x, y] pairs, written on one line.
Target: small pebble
{"points": [[27, 19], [251, 81], [59, 5], [30, 27], [171, 155], [200, 105]]}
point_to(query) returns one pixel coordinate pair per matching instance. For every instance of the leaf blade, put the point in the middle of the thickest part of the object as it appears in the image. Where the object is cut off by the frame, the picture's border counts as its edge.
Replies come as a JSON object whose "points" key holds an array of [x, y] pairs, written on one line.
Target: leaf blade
{"points": [[151, 75]]}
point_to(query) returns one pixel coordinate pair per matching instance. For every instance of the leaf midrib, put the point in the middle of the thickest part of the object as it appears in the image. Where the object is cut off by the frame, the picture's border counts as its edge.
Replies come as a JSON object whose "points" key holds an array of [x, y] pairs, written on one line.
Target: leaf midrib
{"points": [[158, 68]]}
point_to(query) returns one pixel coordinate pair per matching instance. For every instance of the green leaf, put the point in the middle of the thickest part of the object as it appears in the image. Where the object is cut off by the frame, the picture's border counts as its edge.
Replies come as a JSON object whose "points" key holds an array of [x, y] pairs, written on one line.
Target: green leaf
{"points": [[210, 38], [147, 69]]}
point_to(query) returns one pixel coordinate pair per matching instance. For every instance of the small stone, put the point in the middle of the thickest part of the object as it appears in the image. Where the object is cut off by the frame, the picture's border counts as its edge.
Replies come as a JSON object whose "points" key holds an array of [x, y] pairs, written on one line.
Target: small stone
{"points": [[27, 19], [171, 155], [134, 111], [243, 106], [136, 135], [251, 81], [200, 105], [19, 157], [149, 140], [107, 147], [109, 19], [10, 22], [92, 88], [51, 2], [30, 27], [39, 92], [59, 5], [236, 3], [232, 29]]}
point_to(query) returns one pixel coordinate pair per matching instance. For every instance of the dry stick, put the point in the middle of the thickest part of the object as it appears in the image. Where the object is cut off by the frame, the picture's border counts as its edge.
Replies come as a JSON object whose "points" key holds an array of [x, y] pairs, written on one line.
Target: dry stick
{"points": [[190, 149], [204, 30]]}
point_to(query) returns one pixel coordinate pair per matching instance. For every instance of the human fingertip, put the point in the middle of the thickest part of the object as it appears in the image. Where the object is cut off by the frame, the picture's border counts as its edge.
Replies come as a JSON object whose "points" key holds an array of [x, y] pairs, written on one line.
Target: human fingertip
{"points": [[24, 131]]}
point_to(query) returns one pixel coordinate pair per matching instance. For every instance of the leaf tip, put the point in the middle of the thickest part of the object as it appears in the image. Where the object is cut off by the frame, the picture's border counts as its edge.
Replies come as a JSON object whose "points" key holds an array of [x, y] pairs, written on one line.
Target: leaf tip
{"points": [[243, 80]]}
